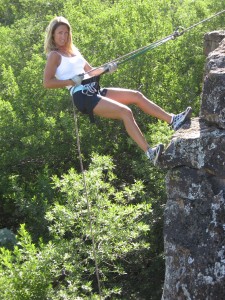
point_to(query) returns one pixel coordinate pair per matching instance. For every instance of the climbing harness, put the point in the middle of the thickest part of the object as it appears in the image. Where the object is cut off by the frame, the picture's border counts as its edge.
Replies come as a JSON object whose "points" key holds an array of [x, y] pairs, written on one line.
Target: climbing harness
{"points": [[87, 95], [89, 88]]}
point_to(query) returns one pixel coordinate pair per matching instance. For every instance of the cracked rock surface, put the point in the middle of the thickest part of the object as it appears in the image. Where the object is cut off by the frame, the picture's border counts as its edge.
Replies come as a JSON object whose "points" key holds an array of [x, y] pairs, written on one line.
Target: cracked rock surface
{"points": [[194, 221]]}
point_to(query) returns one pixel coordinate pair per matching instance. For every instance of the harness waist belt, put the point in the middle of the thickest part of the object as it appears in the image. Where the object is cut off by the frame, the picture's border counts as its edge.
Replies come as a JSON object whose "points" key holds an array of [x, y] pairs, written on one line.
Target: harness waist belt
{"points": [[78, 88], [88, 89]]}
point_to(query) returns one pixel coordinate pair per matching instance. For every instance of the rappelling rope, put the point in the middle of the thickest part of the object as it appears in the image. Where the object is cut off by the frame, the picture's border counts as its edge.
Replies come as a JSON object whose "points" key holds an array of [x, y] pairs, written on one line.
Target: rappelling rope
{"points": [[137, 52], [203, 21], [178, 32], [88, 204]]}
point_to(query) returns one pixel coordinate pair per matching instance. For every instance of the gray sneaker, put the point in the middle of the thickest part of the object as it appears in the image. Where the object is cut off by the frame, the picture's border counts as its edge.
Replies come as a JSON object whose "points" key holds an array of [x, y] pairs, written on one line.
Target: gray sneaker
{"points": [[154, 153], [179, 120]]}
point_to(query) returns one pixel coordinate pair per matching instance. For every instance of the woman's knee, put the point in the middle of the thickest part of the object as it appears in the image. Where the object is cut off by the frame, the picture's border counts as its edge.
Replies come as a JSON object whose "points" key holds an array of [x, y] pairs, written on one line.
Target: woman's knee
{"points": [[126, 112], [137, 96]]}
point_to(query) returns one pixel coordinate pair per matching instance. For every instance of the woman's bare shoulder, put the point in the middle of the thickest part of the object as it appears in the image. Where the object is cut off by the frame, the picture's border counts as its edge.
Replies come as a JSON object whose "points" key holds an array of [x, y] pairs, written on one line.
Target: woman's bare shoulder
{"points": [[54, 57], [53, 54]]}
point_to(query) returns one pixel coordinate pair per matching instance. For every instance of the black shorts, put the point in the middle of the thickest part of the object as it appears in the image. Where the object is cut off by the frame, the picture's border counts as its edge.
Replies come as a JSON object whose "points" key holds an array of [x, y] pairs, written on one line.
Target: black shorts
{"points": [[86, 102]]}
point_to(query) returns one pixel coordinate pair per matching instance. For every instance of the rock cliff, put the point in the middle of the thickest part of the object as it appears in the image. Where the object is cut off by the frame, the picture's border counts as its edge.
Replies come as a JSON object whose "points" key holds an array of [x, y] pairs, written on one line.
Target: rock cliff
{"points": [[194, 221]]}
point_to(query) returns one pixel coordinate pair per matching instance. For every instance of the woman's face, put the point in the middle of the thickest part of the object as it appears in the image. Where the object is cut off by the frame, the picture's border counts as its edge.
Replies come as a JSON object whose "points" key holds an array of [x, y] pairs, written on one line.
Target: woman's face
{"points": [[61, 35]]}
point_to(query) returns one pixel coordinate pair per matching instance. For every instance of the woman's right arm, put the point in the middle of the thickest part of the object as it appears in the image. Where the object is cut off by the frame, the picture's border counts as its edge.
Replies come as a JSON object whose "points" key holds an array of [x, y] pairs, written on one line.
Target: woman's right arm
{"points": [[49, 80]]}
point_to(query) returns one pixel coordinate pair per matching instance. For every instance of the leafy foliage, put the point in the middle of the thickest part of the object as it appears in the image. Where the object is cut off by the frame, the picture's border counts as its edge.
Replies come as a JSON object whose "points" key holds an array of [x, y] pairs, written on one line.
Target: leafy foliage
{"points": [[74, 220], [40, 183]]}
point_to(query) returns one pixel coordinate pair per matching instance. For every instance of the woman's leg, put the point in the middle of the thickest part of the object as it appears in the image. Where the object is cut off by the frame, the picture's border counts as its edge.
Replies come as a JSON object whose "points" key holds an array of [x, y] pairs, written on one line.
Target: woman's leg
{"points": [[114, 110], [128, 97]]}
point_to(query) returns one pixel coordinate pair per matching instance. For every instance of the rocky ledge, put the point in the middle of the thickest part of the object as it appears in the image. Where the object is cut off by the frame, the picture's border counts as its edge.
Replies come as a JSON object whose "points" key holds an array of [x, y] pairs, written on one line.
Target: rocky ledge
{"points": [[194, 221]]}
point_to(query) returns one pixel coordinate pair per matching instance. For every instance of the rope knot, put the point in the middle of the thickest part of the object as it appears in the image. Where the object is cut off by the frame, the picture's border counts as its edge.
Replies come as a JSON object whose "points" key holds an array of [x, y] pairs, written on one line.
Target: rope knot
{"points": [[178, 32]]}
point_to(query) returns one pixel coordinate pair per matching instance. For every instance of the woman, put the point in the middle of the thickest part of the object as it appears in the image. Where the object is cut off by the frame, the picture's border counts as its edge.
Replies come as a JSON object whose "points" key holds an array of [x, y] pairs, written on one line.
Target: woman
{"points": [[66, 67]]}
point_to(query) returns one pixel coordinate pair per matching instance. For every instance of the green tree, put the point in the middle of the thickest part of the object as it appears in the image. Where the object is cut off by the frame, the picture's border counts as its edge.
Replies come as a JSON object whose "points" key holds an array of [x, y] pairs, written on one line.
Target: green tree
{"points": [[113, 218], [38, 142]]}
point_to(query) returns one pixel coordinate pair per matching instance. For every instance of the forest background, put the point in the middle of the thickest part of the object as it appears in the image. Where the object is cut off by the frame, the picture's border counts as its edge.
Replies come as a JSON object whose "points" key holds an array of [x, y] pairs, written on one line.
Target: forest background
{"points": [[46, 239]]}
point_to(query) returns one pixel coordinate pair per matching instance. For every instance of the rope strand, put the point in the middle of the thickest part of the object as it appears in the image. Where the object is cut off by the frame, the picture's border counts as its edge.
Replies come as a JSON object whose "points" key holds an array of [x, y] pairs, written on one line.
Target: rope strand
{"points": [[203, 21], [88, 203], [126, 57], [120, 60]]}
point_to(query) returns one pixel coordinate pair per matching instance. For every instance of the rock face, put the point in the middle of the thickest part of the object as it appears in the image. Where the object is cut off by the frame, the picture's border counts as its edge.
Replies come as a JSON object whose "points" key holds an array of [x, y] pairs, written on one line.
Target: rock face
{"points": [[212, 41], [194, 226]]}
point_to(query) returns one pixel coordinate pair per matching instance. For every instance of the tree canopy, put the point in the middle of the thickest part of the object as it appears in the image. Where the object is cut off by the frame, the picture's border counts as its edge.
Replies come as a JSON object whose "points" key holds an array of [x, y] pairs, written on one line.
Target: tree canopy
{"points": [[43, 201]]}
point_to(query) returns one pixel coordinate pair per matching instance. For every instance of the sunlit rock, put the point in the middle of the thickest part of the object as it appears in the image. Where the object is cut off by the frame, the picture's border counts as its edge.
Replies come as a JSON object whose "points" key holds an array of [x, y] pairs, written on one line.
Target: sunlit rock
{"points": [[194, 221]]}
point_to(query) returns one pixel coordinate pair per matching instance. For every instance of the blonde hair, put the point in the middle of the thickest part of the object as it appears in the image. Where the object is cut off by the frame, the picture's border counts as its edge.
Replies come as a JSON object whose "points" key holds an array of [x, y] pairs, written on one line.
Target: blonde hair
{"points": [[49, 44]]}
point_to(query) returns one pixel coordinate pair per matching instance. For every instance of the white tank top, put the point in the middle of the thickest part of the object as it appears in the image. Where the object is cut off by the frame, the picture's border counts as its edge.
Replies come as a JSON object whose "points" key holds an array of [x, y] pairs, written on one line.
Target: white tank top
{"points": [[70, 66]]}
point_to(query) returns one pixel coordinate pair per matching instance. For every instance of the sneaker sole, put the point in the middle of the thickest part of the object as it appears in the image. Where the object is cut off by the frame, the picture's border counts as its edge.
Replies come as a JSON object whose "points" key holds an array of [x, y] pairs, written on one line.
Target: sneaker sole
{"points": [[187, 116]]}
